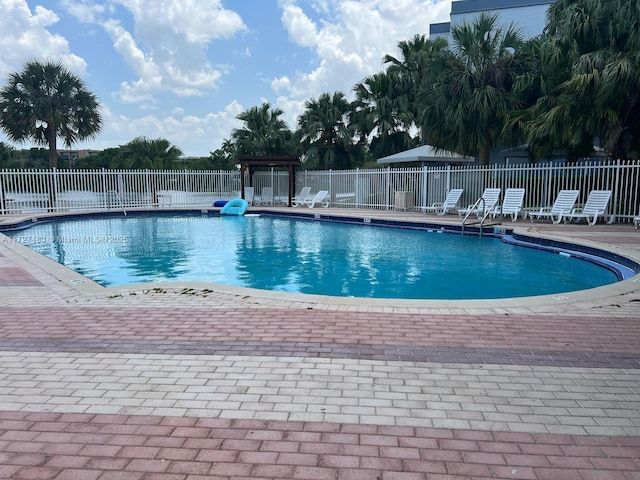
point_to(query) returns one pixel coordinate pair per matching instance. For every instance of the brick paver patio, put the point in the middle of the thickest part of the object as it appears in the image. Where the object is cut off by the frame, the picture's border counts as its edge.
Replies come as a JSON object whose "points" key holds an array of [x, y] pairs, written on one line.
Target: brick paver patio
{"points": [[195, 382]]}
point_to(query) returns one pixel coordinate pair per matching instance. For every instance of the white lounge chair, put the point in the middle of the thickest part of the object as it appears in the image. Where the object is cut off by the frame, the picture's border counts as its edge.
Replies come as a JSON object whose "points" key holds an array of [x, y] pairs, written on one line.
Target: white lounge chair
{"points": [[636, 221], [511, 204], [483, 205], [565, 201], [266, 196], [302, 197], [248, 195], [450, 203], [322, 198], [595, 207]]}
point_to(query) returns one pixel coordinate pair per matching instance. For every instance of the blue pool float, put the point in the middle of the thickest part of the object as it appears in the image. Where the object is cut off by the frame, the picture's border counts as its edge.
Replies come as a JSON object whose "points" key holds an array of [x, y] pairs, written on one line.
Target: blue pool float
{"points": [[237, 206], [220, 203]]}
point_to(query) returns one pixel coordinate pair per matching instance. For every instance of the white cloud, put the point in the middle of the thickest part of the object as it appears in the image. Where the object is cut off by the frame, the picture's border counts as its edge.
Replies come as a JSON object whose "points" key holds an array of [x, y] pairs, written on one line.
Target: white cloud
{"points": [[24, 36], [281, 84], [300, 27], [196, 136], [198, 21], [352, 39], [85, 12], [244, 53], [166, 49], [291, 108], [150, 78]]}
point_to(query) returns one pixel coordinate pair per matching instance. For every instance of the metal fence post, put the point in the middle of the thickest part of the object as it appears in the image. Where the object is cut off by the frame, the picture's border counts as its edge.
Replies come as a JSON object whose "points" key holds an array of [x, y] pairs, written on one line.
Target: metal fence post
{"points": [[388, 188], [356, 188], [104, 188], [423, 195], [3, 204], [149, 194], [54, 190], [616, 189]]}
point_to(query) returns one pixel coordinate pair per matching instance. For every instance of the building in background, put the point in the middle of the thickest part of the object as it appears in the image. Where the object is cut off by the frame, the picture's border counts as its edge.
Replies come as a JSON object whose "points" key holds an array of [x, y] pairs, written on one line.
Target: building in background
{"points": [[528, 15], [72, 156]]}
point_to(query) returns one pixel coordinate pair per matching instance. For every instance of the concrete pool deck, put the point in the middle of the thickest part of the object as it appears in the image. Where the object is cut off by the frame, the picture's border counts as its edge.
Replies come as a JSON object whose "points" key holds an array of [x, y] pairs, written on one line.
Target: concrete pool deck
{"points": [[196, 381]]}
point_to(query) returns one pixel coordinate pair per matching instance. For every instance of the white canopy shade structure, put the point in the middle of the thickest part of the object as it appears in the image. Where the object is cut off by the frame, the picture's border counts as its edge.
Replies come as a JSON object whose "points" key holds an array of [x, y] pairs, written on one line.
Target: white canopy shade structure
{"points": [[426, 154]]}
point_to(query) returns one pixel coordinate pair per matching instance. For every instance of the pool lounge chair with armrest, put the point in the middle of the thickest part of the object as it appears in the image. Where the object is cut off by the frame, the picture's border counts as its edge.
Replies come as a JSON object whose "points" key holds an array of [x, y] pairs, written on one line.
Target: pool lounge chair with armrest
{"points": [[322, 198], [450, 204], [511, 205], [302, 197], [565, 201], [485, 204], [636, 221], [595, 207]]}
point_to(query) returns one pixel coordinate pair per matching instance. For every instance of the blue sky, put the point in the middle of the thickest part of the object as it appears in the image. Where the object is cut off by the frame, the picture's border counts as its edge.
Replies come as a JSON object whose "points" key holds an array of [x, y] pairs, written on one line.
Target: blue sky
{"points": [[183, 69]]}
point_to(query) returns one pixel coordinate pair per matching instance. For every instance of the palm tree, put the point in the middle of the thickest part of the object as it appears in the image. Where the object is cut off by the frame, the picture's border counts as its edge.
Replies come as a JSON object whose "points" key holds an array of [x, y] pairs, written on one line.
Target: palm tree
{"points": [[264, 133], [324, 132], [382, 108], [223, 158], [593, 79], [156, 154], [415, 68], [46, 101], [464, 111]]}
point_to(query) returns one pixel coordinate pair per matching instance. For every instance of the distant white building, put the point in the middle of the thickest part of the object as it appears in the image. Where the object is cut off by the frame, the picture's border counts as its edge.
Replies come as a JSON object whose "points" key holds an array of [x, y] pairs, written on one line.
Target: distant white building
{"points": [[528, 15]]}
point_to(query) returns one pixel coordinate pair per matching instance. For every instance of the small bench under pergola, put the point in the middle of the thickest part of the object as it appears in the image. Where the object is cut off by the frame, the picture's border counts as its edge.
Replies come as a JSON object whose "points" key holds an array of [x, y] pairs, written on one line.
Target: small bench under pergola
{"points": [[251, 162]]}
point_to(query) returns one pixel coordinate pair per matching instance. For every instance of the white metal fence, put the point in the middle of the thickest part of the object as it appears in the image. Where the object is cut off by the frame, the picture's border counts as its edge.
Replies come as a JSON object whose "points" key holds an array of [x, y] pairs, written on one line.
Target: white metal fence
{"points": [[29, 191]]}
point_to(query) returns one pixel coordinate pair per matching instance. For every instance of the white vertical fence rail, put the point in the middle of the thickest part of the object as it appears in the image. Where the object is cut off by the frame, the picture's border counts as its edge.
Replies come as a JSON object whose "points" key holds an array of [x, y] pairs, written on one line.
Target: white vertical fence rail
{"points": [[30, 191]]}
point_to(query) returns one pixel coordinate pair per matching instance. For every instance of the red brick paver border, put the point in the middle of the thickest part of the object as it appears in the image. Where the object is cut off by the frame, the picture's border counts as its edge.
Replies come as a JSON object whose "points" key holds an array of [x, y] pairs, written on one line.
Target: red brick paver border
{"points": [[60, 446]]}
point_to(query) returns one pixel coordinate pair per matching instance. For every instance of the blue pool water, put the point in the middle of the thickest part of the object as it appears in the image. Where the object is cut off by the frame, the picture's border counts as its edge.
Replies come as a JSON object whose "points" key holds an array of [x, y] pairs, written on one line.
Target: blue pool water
{"points": [[305, 256]]}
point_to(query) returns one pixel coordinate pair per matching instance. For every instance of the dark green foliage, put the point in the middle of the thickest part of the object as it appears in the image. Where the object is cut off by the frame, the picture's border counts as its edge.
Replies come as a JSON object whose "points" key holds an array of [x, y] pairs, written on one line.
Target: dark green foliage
{"points": [[588, 80], [465, 109], [324, 134], [156, 154], [264, 132]]}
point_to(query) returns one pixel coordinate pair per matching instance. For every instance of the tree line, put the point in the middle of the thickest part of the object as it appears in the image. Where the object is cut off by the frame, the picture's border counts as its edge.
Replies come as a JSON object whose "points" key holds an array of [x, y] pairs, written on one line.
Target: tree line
{"points": [[575, 87]]}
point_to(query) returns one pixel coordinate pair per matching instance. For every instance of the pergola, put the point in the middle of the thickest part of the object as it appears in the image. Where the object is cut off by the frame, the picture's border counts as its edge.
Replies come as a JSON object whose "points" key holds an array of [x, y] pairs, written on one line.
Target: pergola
{"points": [[251, 162]]}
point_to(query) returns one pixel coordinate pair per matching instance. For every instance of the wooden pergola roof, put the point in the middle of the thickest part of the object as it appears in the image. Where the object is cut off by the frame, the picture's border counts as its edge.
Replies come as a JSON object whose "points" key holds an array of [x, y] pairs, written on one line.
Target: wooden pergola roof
{"points": [[251, 162]]}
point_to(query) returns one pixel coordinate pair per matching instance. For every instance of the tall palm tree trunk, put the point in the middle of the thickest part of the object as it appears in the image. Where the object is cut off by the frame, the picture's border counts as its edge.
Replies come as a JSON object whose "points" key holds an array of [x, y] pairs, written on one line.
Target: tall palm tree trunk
{"points": [[484, 156], [53, 150]]}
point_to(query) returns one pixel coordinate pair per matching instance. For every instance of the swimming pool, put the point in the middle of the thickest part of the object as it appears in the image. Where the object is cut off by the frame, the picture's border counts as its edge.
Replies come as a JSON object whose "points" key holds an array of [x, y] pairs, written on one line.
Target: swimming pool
{"points": [[303, 256]]}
